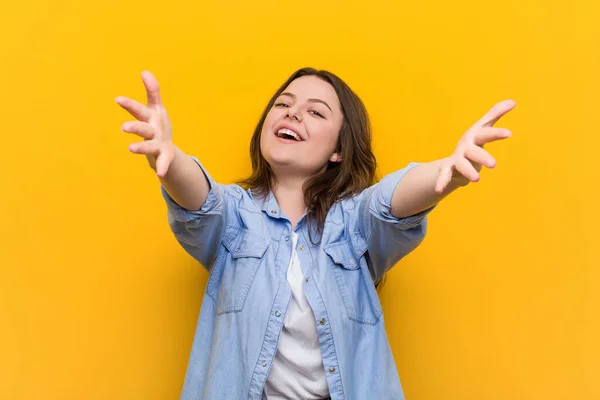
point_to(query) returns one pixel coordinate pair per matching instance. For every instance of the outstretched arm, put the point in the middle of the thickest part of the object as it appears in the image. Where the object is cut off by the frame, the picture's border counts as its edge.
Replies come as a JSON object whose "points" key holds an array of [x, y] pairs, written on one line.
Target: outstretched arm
{"points": [[427, 184], [179, 174]]}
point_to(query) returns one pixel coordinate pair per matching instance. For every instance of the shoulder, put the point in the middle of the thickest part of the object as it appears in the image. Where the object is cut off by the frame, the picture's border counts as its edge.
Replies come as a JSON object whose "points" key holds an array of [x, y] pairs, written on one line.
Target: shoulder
{"points": [[343, 210], [232, 190], [241, 200]]}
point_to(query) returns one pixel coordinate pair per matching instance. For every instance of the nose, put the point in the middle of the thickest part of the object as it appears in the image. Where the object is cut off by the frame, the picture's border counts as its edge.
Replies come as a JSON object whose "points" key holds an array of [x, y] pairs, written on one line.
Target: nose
{"points": [[293, 113]]}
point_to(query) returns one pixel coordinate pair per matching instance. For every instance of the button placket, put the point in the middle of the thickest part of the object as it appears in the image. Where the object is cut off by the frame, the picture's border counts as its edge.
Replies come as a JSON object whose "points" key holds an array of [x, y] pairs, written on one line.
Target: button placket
{"points": [[324, 330], [269, 344]]}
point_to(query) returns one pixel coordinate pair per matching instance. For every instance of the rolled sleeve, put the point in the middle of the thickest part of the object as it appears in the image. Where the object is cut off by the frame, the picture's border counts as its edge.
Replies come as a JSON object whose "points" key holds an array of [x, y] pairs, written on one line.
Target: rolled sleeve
{"points": [[199, 231], [388, 239]]}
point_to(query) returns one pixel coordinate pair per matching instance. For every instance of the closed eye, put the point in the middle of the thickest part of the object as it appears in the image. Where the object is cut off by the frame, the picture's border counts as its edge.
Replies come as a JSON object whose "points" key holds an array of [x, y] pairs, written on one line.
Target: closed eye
{"points": [[318, 114], [281, 105]]}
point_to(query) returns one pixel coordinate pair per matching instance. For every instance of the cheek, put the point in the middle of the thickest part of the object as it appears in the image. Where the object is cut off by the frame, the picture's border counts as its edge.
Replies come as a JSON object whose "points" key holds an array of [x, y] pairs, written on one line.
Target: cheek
{"points": [[273, 115], [268, 123], [326, 135]]}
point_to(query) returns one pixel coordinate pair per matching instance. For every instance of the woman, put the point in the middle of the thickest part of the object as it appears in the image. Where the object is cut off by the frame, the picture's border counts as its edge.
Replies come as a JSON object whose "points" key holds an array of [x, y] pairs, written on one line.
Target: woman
{"points": [[295, 250]]}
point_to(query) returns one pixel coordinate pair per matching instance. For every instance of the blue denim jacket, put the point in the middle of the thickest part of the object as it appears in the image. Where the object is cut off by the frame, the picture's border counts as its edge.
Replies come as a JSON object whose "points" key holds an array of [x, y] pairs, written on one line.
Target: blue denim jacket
{"points": [[244, 242]]}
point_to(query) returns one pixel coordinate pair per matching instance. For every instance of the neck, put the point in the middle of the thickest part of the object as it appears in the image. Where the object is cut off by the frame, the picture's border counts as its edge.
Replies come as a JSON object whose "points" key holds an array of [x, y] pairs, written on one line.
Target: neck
{"points": [[290, 197]]}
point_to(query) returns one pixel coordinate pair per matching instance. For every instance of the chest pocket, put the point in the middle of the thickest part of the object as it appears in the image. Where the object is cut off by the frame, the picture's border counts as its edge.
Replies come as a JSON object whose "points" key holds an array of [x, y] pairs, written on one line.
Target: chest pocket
{"points": [[235, 268], [355, 283]]}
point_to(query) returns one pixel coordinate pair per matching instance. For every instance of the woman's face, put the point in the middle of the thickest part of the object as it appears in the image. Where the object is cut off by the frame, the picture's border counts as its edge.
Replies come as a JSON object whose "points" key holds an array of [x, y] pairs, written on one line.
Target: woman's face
{"points": [[300, 133]]}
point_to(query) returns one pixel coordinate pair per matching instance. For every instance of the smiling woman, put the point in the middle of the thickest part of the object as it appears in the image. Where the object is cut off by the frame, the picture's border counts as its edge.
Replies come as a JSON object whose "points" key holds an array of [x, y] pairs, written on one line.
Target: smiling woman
{"points": [[296, 249], [333, 123]]}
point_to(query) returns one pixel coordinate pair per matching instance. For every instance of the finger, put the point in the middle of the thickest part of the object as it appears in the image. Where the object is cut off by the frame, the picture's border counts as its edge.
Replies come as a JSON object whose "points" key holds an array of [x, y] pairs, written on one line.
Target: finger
{"points": [[488, 135], [444, 178], [163, 162], [466, 169], [480, 156], [149, 148], [496, 112], [152, 89], [142, 129], [137, 109]]}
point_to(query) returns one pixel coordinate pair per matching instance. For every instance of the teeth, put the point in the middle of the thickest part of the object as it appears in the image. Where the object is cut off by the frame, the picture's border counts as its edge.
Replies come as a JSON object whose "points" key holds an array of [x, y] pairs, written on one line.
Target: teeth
{"points": [[283, 131]]}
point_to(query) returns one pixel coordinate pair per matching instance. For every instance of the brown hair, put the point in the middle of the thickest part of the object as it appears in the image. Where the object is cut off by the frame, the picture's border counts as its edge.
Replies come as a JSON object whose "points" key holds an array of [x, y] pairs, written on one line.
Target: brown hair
{"points": [[356, 171]]}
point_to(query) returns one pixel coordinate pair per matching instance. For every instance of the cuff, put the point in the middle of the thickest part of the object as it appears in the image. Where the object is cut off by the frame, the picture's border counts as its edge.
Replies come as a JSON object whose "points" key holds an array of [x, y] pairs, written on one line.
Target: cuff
{"points": [[381, 203], [212, 205]]}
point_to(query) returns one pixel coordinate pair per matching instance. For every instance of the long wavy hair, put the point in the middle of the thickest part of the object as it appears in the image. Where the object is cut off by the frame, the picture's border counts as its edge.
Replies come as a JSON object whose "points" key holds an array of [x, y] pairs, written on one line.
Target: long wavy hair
{"points": [[339, 180]]}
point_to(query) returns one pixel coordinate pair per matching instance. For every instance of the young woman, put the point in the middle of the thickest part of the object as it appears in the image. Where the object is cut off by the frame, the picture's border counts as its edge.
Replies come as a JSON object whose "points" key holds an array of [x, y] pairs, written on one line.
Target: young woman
{"points": [[294, 251]]}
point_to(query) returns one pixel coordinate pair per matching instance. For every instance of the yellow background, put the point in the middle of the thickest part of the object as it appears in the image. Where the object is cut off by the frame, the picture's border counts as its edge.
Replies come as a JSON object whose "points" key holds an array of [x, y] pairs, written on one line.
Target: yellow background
{"points": [[98, 301]]}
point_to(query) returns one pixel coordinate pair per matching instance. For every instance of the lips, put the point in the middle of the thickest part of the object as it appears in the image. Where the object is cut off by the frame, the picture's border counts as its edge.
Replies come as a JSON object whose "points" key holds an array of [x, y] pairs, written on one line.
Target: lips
{"points": [[288, 133]]}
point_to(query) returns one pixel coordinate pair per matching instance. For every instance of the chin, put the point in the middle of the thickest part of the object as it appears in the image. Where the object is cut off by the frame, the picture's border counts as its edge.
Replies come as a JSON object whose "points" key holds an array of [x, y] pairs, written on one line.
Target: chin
{"points": [[288, 158], [280, 160]]}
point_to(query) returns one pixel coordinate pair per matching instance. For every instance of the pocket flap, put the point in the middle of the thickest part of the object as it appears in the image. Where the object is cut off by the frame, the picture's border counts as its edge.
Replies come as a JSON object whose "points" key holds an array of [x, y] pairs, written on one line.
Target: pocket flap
{"points": [[242, 242], [341, 253]]}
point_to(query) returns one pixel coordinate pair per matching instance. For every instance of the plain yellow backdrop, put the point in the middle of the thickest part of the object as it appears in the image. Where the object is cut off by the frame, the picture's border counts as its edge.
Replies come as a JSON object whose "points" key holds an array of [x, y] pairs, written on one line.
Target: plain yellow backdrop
{"points": [[98, 301]]}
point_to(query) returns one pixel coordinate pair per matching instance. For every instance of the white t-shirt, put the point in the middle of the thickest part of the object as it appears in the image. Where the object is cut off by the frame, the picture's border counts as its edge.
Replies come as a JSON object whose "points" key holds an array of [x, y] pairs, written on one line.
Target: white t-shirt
{"points": [[297, 371]]}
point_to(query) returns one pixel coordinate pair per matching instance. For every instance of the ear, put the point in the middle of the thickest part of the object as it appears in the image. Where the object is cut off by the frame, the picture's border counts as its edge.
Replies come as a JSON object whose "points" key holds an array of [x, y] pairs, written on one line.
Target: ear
{"points": [[335, 157]]}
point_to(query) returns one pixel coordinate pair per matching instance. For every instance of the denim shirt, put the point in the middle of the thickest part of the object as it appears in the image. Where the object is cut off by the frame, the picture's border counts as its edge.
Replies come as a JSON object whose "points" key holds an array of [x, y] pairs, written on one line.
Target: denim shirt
{"points": [[244, 243]]}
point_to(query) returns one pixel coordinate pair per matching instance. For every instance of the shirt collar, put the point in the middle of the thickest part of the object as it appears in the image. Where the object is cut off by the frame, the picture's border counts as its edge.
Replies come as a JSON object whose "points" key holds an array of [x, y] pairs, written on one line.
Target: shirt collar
{"points": [[267, 204]]}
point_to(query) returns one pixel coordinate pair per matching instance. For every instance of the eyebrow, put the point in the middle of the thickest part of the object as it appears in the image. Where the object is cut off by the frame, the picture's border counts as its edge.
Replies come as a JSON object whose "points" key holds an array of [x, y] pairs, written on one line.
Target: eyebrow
{"points": [[293, 96]]}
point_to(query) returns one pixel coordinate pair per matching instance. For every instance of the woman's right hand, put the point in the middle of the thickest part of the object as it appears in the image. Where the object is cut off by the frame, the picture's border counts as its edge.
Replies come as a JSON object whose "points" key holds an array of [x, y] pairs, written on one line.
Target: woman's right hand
{"points": [[153, 125]]}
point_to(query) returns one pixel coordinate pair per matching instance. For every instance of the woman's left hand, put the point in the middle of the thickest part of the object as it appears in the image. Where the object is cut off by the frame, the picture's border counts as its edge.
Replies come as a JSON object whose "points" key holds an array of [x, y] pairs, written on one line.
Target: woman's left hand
{"points": [[464, 164]]}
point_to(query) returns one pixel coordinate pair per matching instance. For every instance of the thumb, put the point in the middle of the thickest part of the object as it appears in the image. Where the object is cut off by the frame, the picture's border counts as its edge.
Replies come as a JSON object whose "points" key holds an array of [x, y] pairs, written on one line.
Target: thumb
{"points": [[164, 161]]}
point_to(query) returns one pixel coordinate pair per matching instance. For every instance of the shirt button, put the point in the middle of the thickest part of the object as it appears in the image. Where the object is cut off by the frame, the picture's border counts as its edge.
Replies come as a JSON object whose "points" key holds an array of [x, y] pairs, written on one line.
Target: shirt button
{"points": [[307, 279], [352, 262], [301, 248], [322, 321], [273, 212], [332, 370], [287, 238], [264, 363], [277, 313]]}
